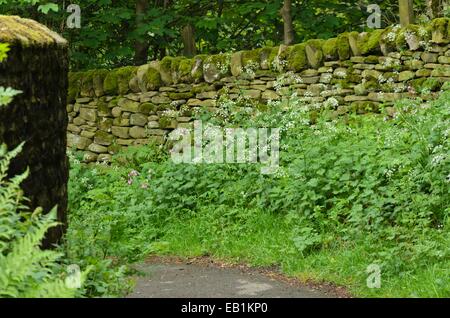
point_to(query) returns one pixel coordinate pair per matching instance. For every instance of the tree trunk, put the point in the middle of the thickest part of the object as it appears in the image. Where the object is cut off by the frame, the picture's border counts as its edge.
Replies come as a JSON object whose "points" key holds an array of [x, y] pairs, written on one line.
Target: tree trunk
{"points": [[286, 13], [141, 46], [188, 37], [406, 12]]}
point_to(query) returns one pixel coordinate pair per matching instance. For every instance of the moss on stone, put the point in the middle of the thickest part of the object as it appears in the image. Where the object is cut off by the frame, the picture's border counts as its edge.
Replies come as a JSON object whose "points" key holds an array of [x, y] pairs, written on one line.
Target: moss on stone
{"points": [[74, 86], [98, 78], [441, 25], [353, 78], [124, 75], [152, 79], [117, 81], [417, 83], [341, 83], [297, 60], [27, 33], [165, 122], [110, 84], [251, 57], [370, 44], [147, 108], [219, 63], [87, 84], [330, 49], [314, 52], [200, 88], [362, 107], [371, 85], [432, 84], [179, 96], [273, 52], [220, 59], [400, 39], [388, 40], [166, 64], [343, 47], [372, 59], [197, 68], [103, 107], [185, 67]]}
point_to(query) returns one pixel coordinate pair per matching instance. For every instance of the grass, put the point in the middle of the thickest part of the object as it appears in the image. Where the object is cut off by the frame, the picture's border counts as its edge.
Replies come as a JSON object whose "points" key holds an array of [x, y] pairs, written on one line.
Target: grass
{"points": [[264, 243]]}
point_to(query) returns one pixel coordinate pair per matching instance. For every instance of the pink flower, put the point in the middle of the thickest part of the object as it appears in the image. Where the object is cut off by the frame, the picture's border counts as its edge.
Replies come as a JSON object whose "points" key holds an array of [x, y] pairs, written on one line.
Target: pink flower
{"points": [[133, 173]]}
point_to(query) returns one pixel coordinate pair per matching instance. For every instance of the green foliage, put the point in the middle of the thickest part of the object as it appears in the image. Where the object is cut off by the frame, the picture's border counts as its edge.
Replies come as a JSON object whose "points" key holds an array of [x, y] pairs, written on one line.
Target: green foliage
{"points": [[110, 29], [25, 269], [4, 48], [362, 189], [7, 95]]}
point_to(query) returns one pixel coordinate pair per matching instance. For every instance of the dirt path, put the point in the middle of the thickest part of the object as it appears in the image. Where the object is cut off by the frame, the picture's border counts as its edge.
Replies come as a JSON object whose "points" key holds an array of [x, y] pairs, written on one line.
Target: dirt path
{"points": [[203, 278]]}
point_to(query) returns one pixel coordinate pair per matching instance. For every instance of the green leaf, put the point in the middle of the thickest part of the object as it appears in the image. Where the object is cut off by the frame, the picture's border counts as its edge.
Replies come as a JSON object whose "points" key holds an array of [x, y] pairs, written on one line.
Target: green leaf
{"points": [[45, 8]]}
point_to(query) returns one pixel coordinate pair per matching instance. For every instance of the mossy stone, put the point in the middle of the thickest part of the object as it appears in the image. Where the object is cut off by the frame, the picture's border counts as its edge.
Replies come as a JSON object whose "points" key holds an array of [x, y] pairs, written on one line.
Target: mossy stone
{"points": [[440, 30], [417, 83], [343, 47], [27, 33], [297, 60], [152, 79], [179, 96], [185, 70], [273, 53], [103, 138], [388, 41], [165, 122], [118, 81], [251, 57], [432, 84], [216, 66], [370, 44], [314, 54], [330, 49], [74, 86], [147, 108], [197, 68], [98, 78], [110, 84], [87, 85]]}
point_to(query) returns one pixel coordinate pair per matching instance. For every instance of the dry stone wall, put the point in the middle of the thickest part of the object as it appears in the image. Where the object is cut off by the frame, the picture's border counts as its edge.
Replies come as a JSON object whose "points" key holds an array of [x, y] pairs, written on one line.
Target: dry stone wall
{"points": [[37, 65], [354, 72]]}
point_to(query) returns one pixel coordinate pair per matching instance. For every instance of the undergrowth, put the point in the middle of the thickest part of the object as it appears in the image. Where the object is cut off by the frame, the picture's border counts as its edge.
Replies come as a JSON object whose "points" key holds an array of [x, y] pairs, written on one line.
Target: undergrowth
{"points": [[349, 192]]}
